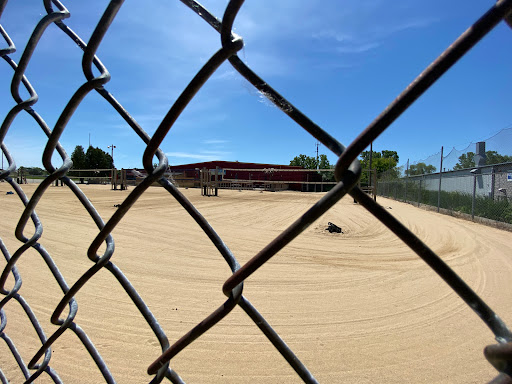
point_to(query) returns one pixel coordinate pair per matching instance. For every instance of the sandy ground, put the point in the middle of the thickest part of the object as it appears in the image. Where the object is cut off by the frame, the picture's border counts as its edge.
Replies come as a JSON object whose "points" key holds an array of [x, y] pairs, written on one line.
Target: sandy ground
{"points": [[357, 307]]}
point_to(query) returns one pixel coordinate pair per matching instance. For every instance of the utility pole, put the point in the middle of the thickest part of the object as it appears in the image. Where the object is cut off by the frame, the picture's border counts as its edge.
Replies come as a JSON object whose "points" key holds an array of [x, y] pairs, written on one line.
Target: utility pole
{"points": [[112, 146], [317, 161]]}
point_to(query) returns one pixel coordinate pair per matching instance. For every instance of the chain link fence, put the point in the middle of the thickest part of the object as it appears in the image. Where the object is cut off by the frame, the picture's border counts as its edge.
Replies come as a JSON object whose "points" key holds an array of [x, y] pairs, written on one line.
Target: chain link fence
{"points": [[483, 196], [100, 251]]}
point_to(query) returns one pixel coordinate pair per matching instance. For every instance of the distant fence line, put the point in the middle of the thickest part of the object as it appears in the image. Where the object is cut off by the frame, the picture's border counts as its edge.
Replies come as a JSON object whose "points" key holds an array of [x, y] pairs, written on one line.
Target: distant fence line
{"points": [[486, 193], [500, 142]]}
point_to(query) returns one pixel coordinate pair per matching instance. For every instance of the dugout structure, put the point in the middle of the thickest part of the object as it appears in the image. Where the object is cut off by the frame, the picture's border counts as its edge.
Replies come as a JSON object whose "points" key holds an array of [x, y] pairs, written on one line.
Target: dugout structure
{"points": [[116, 178], [278, 179], [209, 182], [38, 360], [275, 179]]}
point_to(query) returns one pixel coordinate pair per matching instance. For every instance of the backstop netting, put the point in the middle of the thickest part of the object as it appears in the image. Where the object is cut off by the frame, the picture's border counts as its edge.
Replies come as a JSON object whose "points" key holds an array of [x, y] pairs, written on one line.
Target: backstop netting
{"points": [[18, 306]]}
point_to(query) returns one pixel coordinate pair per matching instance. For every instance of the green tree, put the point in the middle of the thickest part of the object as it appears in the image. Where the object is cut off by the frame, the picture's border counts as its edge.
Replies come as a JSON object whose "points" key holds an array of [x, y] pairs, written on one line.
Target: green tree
{"points": [[306, 162], [467, 160], [494, 157], [365, 157], [96, 158], [390, 155], [420, 169], [324, 162], [384, 161], [78, 158], [36, 171], [310, 162]]}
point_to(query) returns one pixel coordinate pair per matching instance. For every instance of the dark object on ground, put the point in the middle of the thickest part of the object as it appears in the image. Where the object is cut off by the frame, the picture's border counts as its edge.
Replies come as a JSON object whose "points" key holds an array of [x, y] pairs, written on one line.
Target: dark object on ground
{"points": [[333, 228], [117, 205], [10, 193]]}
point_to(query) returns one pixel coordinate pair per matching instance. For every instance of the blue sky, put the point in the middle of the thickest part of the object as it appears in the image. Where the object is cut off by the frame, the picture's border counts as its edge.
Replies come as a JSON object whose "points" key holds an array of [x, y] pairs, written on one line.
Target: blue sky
{"points": [[340, 62]]}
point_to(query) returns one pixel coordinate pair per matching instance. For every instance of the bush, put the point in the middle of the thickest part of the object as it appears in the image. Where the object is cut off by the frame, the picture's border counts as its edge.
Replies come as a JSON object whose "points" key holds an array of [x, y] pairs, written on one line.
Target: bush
{"points": [[454, 201]]}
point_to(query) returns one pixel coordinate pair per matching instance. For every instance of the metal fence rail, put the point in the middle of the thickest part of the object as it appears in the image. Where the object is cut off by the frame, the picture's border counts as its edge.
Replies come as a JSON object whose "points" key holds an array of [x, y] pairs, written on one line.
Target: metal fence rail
{"points": [[347, 173]]}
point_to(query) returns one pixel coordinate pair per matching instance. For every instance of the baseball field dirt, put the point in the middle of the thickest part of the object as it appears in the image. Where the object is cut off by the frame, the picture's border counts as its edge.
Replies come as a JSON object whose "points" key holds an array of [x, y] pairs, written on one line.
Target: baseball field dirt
{"points": [[355, 307]]}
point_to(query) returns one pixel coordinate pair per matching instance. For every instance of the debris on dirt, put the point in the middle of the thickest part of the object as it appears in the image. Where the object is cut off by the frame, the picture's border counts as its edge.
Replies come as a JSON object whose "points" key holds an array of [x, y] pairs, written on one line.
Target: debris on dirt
{"points": [[117, 205], [333, 228], [10, 193]]}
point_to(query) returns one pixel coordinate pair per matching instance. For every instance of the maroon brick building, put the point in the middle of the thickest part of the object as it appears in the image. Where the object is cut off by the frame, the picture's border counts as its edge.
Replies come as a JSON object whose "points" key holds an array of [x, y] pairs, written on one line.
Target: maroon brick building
{"points": [[235, 173]]}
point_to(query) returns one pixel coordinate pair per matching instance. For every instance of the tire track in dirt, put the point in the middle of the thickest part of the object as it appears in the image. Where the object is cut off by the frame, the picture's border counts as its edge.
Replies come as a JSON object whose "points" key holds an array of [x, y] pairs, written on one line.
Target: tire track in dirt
{"points": [[355, 307]]}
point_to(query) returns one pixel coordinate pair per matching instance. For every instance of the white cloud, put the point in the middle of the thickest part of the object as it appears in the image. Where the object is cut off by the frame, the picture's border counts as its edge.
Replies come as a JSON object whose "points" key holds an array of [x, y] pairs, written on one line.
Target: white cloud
{"points": [[388, 30], [361, 48], [215, 141], [201, 156], [332, 34], [365, 30]]}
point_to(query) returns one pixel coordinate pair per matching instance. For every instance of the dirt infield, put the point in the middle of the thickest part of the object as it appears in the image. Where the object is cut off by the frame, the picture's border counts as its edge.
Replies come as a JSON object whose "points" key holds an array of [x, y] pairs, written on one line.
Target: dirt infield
{"points": [[357, 307]]}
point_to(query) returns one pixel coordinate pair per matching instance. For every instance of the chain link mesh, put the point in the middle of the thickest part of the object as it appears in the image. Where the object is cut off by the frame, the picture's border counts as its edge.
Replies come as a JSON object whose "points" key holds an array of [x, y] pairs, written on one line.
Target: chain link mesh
{"points": [[101, 249], [482, 197]]}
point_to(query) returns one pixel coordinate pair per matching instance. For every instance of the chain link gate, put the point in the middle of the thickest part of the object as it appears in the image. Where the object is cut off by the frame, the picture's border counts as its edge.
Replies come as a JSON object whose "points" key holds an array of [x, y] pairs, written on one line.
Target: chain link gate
{"points": [[347, 174]]}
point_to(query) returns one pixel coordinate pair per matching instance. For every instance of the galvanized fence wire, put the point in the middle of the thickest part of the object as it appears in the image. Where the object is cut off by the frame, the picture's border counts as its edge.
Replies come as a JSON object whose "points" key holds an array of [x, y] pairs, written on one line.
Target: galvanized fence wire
{"points": [[474, 196], [347, 173]]}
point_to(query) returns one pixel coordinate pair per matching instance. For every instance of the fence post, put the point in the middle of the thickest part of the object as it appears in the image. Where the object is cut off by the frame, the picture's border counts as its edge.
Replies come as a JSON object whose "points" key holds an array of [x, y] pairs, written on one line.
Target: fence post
{"points": [[473, 200], [406, 181], [440, 178], [419, 192], [216, 181], [375, 184], [201, 178], [493, 183]]}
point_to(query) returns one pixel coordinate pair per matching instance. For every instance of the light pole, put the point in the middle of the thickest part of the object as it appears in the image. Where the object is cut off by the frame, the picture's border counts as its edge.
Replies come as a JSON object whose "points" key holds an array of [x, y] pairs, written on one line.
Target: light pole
{"points": [[112, 146]]}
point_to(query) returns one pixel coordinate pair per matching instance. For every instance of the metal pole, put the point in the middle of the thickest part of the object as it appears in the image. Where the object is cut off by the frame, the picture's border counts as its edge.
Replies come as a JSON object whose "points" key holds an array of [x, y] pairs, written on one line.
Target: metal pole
{"points": [[317, 160], [440, 178], [419, 191], [216, 181], [473, 201], [374, 176], [201, 176], [406, 180], [112, 146], [493, 182]]}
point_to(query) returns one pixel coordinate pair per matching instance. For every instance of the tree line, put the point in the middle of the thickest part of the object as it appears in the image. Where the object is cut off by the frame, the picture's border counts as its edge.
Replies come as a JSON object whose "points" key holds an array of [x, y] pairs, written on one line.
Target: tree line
{"points": [[311, 162], [467, 160], [386, 161], [94, 158]]}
